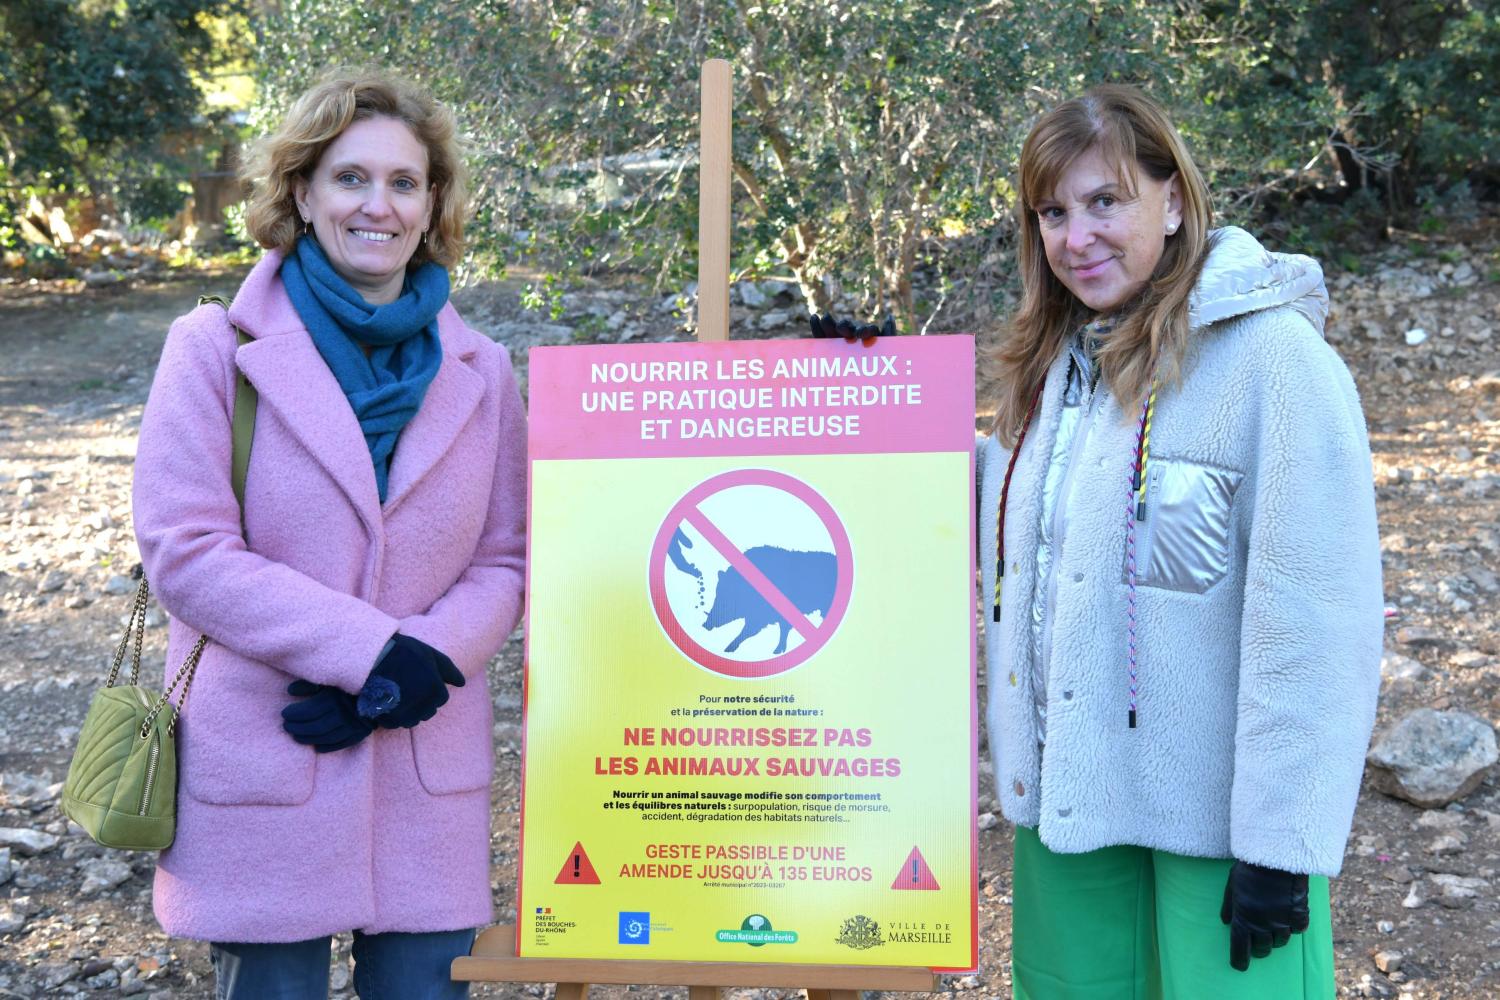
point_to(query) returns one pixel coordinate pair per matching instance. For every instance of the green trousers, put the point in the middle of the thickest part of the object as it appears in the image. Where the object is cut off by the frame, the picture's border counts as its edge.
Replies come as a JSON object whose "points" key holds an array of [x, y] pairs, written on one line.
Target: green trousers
{"points": [[1130, 923]]}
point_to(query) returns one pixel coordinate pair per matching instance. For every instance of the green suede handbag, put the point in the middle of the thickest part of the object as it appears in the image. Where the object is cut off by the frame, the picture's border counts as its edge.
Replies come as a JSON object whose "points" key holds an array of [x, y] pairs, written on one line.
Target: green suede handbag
{"points": [[122, 782]]}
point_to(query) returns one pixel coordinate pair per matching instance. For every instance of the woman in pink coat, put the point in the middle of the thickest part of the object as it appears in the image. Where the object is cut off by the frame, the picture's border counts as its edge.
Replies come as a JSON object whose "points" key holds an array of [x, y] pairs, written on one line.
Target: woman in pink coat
{"points": [[336, 750]]}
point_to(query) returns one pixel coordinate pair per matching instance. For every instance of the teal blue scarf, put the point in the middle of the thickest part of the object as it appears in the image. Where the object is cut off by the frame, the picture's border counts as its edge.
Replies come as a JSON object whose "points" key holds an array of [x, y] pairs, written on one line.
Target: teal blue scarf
{"points": [[385, 390]]}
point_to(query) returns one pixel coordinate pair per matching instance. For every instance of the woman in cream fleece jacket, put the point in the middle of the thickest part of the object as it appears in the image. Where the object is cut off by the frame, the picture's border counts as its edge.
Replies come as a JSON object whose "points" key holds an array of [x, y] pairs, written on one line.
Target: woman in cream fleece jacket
{"points": [[1184, 632]]}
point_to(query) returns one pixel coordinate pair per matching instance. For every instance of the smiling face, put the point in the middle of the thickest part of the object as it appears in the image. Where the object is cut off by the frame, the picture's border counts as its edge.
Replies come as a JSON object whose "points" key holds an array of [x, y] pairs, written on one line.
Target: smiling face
{"points": [[368, 201], [1103, 239]]}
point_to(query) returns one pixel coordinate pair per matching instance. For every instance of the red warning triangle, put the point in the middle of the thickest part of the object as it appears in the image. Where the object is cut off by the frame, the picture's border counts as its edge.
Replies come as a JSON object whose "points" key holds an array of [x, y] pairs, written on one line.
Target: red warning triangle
{"points": [[577, 869], [915, 874]]}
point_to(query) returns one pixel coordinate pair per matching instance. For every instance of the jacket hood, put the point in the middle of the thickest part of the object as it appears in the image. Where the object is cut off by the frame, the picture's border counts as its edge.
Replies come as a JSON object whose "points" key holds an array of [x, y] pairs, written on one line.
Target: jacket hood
{"points": [[1241, 276]]}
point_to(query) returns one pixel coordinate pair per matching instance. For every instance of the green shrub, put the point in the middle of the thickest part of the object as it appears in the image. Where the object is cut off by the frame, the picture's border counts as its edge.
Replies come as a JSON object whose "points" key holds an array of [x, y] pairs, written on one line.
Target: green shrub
{"points": [[877, 140]]}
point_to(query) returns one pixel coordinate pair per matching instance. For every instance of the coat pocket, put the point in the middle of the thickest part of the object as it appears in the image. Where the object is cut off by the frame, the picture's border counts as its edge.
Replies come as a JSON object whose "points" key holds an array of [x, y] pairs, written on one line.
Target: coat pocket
{"points": [[455, 749], [231, 748], [1183, 544]]}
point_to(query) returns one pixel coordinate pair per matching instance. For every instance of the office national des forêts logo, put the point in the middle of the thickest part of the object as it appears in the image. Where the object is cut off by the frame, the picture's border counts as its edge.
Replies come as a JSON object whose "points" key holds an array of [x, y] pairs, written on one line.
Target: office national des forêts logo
{"points": [[755, 930]]}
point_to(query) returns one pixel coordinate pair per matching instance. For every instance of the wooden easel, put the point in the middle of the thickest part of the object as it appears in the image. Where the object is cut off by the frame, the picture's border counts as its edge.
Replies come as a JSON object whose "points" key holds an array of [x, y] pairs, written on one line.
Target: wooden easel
{"points": [[493, 958]]}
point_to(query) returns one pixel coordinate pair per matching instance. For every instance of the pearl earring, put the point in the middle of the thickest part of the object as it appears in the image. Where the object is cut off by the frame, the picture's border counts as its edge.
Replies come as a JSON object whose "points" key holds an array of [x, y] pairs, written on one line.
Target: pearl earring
{"points": [[1171, 228]]}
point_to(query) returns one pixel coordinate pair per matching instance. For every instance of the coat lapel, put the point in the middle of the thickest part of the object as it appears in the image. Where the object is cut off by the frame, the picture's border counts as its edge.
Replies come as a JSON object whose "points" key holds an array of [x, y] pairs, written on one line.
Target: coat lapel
{"points": [[293, 379], [450, 401], [295, 382]]}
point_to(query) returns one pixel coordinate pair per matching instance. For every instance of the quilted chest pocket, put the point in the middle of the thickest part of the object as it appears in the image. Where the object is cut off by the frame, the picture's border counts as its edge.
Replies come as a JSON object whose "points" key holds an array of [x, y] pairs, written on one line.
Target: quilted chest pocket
{"points": [[1183, 544]]}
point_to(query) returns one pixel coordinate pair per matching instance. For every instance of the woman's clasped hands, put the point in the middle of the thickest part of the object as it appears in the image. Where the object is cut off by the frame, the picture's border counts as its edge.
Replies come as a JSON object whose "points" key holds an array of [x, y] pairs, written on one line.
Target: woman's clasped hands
{"points": [[407, 686]]}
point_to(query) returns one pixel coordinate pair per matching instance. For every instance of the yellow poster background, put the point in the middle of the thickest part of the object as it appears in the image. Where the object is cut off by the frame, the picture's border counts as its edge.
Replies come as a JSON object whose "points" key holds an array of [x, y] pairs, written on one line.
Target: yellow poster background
{"points": [[899, 665]]}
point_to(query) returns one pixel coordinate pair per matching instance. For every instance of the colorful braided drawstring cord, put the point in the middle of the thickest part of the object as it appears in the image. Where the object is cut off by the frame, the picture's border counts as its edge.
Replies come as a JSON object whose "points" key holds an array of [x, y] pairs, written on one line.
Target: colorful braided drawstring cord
{"points": [[1094, 332], [1135, 510]]}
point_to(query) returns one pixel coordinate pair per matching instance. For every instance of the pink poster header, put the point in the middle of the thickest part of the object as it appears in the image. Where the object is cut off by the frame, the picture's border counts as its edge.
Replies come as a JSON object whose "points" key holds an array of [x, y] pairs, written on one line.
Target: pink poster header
{"points": [[752, 397]]}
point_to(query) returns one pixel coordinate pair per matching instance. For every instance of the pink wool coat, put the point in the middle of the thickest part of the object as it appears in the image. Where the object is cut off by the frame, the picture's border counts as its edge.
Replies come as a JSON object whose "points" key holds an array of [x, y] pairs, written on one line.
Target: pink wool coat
{"points": [[276, 842]]}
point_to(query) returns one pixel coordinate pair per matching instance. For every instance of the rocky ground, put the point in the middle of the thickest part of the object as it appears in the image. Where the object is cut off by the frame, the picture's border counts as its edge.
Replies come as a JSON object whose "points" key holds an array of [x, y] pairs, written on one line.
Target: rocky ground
{"points": [[1416, 913]]}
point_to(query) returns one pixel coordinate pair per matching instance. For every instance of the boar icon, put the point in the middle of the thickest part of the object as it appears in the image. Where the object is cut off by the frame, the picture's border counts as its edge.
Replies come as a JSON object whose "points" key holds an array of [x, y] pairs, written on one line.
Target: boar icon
{"points": [[807, 579]]}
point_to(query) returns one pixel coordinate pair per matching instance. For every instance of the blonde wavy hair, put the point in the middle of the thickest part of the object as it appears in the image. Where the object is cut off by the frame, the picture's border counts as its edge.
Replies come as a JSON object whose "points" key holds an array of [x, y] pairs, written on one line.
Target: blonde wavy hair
{"points": [[317, 118], [1128, 128]]}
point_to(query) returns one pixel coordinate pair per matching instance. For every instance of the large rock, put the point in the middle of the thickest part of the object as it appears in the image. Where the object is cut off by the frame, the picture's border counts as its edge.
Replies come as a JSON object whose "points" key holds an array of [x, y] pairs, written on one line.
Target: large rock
{"points": [[1421, 635], [1432, 758], [27, 843], [102, 874], [11, 919], [749, 294], [775, 319], [14, 913], [783, 293], [1400, 671], [28, 791], [1458, 892], [54, 974]]}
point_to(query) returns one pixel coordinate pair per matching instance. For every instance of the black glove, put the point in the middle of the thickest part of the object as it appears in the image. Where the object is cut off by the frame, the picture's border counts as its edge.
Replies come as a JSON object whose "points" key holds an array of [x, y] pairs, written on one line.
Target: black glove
{"points": [[824, 327], [408, 685], [1263, 907], [326, 718]]}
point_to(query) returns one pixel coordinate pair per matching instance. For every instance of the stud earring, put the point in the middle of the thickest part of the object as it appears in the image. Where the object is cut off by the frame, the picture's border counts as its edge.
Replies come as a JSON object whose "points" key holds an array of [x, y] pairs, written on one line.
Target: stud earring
{"points": [[1171, 228]]}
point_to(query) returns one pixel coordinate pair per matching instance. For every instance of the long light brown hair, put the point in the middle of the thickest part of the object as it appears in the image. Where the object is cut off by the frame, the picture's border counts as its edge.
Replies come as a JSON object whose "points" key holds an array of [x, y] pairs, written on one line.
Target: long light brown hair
{"points": [[1129, 129], [319, 117]]}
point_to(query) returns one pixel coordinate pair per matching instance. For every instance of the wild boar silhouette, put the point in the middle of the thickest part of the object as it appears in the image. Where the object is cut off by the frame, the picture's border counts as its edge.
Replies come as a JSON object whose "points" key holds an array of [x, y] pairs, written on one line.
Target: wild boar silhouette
{"points": [[807, 579]]}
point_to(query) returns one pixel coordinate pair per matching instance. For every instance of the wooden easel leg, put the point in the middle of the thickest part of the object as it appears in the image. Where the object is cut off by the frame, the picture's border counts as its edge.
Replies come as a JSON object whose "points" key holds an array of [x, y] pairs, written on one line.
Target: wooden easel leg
{"points": [[714, 171], [572, 991], [705, 993]]}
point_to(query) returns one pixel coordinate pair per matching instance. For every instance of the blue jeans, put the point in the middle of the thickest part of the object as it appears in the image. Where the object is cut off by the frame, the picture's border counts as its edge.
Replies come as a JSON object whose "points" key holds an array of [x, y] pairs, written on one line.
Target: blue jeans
{"points": [[386, 967]]}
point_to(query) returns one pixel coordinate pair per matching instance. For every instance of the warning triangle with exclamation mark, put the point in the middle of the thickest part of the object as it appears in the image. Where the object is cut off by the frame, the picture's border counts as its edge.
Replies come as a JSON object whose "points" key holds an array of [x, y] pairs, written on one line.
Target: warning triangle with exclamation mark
{"points": [[577, 869], [915, 874]]}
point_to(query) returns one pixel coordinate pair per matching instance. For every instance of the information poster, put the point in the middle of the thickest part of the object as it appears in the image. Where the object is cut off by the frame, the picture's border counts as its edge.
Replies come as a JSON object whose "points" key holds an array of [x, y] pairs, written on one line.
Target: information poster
{"points": [[750, 705]]}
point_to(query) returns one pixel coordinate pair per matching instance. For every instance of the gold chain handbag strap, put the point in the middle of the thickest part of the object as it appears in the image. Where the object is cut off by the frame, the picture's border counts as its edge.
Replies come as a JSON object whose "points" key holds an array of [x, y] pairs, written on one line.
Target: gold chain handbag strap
{"points": [[185, 677], [243, 431], [135, 624]]}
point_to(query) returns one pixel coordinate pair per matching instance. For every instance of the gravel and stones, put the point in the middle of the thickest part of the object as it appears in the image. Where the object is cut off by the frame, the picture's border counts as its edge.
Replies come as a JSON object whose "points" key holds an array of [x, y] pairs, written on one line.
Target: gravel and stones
{"points": [[78, 366]]}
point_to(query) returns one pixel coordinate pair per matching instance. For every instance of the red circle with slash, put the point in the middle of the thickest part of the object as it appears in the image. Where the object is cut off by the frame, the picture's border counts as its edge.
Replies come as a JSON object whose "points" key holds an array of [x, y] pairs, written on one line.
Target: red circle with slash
{"points": [[814, 637]]}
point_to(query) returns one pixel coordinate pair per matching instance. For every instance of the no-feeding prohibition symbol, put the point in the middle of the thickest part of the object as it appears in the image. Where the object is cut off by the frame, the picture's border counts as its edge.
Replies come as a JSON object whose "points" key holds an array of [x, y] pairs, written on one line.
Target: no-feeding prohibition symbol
{"points": [[751, 573]]}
